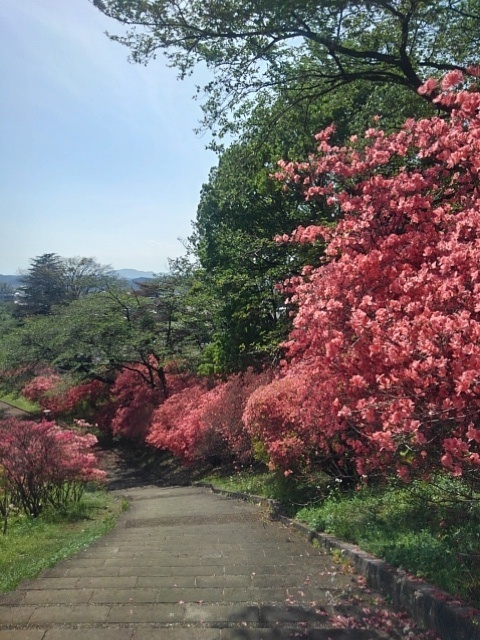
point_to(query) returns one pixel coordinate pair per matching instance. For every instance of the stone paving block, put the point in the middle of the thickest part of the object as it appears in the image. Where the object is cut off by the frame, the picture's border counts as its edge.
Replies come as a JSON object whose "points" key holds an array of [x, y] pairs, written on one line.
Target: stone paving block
{"points": [[189, 595], [125, 562], [103, 596], [92, 633], [221, 613], [99, 552], [266, 580], [58, 596], [22, 634], [90, 562], [50, 583], [74, 614], [254, 595], [106, 582], [205, 560], [167, 582], [276, 613], [224, 581], [60, 571], [250, 569], [15, 615], [81, 572], [12, 598], [195, 570], [177, 634], [145, 570], [144, 614]]}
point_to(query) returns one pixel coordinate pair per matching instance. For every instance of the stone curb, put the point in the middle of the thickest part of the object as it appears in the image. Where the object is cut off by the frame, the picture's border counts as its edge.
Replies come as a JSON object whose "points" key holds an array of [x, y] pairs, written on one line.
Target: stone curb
{"points": [[428, 606]]}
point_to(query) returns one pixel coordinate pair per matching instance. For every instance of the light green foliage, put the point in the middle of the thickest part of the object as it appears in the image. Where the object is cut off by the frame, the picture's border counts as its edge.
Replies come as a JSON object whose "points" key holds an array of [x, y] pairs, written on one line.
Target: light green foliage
{"points": [[99, 333], [306, 48]]}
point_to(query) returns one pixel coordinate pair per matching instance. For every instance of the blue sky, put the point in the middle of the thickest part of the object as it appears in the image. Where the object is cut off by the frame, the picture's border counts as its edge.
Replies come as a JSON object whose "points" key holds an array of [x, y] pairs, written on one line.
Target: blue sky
{"points": [[98, 157]]}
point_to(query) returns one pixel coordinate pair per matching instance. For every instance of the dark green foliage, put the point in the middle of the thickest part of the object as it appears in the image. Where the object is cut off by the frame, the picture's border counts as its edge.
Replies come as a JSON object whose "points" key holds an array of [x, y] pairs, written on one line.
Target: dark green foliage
{"points": [[42, 285]]}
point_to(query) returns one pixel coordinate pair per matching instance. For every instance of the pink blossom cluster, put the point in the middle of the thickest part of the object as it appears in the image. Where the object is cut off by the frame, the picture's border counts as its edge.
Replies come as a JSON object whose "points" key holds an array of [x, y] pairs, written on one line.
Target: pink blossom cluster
{"points": [[42, 463], [54, 393], [383, 363], [205, 422]]}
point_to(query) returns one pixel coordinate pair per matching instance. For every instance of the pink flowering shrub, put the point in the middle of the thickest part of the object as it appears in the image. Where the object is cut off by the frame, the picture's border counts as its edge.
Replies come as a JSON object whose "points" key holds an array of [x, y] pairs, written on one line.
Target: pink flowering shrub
{"points": [[43, 464], [134, 402], [272, 419], [46, 391], [87, 398], [135, 396], [201, 423], [225, 437], [383, 363], [57, 395], [176, 424]]}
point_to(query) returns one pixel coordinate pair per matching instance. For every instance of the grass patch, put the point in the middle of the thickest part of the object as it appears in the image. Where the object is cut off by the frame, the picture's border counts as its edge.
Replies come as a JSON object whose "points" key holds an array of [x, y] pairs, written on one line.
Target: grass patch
{"points": [[428, 529], [21, 403], [292, 492], [31, 545]]}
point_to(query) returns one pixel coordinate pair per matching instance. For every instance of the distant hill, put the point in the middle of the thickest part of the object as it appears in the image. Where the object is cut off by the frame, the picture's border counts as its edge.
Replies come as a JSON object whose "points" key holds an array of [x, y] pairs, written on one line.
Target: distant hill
{"points": [[13, 281], [133, 274], [127, 274]]}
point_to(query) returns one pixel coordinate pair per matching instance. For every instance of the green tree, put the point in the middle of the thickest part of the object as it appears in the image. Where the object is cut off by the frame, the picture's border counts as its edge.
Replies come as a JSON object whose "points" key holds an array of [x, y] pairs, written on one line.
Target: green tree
{"points": [[241, 209], [52, 280], [97, 335], [82, 276], [306, 48], [43, 285]]}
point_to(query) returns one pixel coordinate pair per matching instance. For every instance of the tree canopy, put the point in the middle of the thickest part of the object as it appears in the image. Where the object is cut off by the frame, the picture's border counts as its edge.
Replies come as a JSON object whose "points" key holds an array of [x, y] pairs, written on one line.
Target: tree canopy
{"points": [[305, 48], [52, 280]]}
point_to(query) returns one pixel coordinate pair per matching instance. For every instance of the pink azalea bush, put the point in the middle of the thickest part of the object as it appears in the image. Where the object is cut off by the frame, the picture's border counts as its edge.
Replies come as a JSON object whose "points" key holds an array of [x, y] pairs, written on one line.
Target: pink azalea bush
{"points": [[43, 464], [225, 437], [57, 394], [176, 424], [204, 422], [45, 390], [383, 363], [134, 402]]}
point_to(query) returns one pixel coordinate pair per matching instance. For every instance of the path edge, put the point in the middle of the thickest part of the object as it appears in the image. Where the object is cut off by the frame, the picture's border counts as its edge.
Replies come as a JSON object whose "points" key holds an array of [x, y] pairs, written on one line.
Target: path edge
{"points": [[427, 605]]}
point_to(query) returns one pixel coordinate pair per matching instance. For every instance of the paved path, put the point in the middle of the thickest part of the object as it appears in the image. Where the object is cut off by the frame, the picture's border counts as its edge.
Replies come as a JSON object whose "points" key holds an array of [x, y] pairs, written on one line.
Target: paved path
{"points": [[12, 412], [183, 563]]}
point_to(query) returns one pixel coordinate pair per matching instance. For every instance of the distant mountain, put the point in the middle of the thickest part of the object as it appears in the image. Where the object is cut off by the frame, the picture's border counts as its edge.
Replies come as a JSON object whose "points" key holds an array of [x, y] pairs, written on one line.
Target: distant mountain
{"points": [[133, 274], [127, 274], [13, 281]]}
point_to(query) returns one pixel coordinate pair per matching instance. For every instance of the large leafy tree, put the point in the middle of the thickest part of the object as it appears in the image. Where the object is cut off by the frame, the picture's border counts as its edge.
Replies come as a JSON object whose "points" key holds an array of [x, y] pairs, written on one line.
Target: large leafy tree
{"points": [[96, 336], [82, 276], [307, 48], [241, 209], [52, 280]]}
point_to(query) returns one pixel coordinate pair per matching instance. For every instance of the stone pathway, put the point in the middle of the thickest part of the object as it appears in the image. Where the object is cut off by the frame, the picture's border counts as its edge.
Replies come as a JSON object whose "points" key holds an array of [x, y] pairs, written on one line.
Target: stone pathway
{"points": [[10, 411], [185, 563]]}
